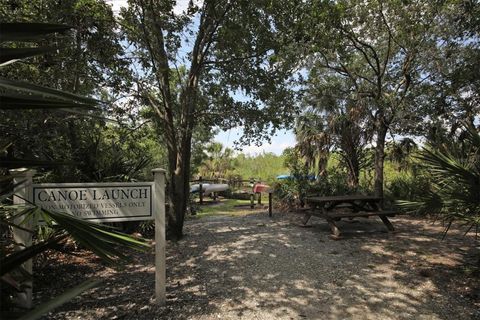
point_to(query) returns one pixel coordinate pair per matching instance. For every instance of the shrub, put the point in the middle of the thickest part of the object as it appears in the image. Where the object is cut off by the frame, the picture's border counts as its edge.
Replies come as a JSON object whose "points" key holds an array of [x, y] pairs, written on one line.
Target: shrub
{"points": [[454, 171], [289, 193], [407, 187]]}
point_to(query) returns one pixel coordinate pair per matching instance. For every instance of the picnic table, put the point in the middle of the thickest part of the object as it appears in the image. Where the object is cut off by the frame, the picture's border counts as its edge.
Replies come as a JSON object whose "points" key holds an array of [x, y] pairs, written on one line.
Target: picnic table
{"points": [[334, 208]]}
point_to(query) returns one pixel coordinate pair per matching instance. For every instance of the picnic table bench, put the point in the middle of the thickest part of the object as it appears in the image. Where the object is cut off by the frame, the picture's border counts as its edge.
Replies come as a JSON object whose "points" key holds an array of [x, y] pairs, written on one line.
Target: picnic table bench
{"points": [[334, 208]]}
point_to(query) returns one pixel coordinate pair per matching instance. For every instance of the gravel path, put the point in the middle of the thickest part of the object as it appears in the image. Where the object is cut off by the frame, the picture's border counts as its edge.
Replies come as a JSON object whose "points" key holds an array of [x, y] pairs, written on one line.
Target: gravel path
{"points": [[253, 267]]}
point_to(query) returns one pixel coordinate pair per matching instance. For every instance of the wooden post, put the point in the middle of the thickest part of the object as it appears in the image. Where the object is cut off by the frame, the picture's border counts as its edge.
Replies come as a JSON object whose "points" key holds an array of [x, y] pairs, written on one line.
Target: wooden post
{"points": [[252, 194], [23, 191], [270, 210], [160, 240], [387, 223], [259, 198], [200, 190], [335, 232]]}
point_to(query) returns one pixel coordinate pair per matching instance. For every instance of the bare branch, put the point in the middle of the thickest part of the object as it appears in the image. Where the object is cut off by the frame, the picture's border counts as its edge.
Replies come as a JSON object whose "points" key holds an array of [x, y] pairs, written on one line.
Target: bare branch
{"points": [[358, 44], [389, 29]]}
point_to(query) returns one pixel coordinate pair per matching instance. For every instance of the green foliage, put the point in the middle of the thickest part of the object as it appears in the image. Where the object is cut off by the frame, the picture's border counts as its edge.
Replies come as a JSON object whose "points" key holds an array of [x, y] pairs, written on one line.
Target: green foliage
{"points": [[367, 56], [406, 186], [113, 153], [313, 140], [409, 183], [454, 171], [292, 191], [190, 69], [65, 297], [334, 184], [264, 167], [87, 60], [400, 152], [289, 193], [90, 59], [104, 241], [219, 162]]}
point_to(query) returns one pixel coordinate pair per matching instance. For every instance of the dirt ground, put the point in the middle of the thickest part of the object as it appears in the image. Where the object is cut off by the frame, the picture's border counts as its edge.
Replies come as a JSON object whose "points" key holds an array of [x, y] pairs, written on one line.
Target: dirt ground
{"points": [[255, 267]]}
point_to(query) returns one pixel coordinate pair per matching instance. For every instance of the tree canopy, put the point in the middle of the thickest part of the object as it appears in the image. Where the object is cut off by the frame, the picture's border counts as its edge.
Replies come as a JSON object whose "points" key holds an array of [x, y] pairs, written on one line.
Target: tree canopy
{"points": [[349, 75]]}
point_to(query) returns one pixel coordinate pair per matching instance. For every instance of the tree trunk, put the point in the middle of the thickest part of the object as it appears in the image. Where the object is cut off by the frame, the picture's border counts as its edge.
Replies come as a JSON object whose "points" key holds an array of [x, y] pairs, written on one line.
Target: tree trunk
{"points": [[382, 129], [322, 166], [179, 165], [179, 123], [178, 190], [178, 200], [353, 172]]}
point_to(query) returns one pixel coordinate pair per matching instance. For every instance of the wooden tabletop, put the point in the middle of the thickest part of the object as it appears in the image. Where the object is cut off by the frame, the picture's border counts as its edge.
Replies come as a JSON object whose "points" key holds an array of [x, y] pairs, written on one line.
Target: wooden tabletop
{"points": [[347, 198]]}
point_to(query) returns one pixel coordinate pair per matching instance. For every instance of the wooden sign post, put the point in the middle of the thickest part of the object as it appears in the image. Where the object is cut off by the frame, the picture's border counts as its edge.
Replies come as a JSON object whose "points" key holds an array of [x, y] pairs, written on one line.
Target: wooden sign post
{"points": [[160, 256], [23, 191]]}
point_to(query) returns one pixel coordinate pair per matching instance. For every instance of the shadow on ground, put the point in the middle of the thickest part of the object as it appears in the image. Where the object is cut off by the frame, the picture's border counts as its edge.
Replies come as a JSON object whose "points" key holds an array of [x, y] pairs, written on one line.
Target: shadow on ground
{"points": [[253, 267]]}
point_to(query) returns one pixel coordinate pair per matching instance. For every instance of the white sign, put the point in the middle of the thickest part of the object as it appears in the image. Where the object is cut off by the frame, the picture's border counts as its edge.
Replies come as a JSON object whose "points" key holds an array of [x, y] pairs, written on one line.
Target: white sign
{"points": [[100, 202]]}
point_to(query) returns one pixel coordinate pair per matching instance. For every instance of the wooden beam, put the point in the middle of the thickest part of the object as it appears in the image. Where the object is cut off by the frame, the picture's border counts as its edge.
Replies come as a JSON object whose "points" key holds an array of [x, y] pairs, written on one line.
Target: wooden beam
{"points": [[160, 239], [270, 209]]}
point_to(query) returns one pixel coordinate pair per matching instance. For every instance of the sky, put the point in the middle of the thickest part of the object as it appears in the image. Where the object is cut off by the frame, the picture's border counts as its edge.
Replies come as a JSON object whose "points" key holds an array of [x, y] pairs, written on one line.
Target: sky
{"points": [[117, 4], [279, 142], [282, 140]]}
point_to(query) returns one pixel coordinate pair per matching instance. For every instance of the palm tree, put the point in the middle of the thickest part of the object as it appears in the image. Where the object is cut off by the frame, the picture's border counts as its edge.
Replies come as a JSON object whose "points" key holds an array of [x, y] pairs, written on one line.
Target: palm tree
{"points": [[351, 139], [341, 117], [313, 141], [400, 152], [219, 162], [341, 129]]}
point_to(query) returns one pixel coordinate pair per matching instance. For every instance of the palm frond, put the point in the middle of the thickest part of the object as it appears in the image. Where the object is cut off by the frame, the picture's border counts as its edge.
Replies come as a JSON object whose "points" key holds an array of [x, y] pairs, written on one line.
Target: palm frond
{"points": [[454, 172], [15, 259], [26, 101], [61, 299], [28, 31], [22, 163], [103, 240], [9, 55], [27, 90]]}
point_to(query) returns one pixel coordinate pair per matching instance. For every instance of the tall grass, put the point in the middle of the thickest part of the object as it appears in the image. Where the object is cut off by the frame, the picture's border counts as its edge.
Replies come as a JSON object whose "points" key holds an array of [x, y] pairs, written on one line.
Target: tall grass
{"points": [[265, 167]]}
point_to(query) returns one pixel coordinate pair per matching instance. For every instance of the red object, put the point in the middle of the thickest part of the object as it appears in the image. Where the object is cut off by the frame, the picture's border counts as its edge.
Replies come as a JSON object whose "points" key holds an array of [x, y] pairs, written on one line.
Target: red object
{"points": [[257, 188]]}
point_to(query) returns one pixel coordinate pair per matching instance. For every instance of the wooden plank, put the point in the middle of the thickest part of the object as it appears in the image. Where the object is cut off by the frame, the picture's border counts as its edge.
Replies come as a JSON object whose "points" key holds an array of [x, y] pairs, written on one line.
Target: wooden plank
{"points": [[304, 209], [306, 218], [390, 213], [344, 206], [270, 204], [342, 198], [160, 239], [334, 229], [387, 223], [361, 214], [23, 192]]}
